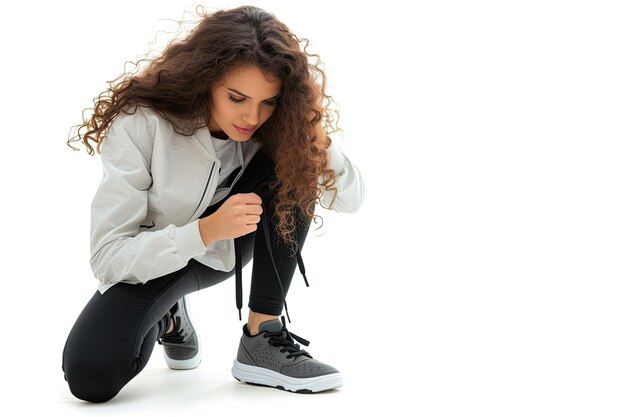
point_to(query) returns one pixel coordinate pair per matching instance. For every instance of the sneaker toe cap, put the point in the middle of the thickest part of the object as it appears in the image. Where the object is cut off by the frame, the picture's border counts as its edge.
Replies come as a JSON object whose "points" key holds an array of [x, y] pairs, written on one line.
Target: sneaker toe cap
{"points": [[309, 368]]}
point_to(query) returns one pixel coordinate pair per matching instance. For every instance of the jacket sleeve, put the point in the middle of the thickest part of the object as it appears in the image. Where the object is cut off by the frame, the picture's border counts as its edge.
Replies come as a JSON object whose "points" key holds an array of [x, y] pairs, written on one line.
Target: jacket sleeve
{"points": [[119, 252], [348, 182]]}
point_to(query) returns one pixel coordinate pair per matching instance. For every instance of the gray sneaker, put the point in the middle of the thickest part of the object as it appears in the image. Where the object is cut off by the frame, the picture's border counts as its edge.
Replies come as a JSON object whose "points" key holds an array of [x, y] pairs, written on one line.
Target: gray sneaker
{"points": [[272, 358], [182, 348]]}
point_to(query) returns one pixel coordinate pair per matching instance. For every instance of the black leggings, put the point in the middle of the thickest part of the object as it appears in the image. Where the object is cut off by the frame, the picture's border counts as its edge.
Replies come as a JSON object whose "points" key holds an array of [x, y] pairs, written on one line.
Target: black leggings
{"points": [[113, 337]]}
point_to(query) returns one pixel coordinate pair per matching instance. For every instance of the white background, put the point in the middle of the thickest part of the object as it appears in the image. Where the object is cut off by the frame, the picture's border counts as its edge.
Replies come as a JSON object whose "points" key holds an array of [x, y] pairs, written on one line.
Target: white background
{"points": [[484, 274]]}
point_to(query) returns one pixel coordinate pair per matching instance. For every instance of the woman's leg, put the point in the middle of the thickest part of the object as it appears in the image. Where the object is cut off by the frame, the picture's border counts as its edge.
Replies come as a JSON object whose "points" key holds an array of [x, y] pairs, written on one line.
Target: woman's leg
{"points": [[268, 354], [114, 335], [265, 291], [266, 296]]}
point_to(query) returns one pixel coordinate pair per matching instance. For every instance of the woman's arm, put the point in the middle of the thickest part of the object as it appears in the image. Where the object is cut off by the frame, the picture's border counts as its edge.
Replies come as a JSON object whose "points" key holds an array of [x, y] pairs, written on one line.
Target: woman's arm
{"points": [[120, 251], [348, 179]]}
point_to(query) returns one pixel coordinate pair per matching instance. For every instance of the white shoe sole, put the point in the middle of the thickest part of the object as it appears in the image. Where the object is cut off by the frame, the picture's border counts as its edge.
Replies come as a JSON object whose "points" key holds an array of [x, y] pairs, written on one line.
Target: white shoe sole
{"points": [[190, 363], [267, 377]]}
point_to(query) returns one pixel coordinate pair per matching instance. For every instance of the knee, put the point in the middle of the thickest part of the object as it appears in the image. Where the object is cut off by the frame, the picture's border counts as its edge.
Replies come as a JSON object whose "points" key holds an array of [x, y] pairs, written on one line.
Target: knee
{"points": [[90, 382]]}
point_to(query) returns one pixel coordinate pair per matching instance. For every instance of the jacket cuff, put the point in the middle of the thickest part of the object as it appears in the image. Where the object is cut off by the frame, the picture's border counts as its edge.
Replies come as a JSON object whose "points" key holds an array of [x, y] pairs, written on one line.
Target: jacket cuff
{"points": [[188, 240]]}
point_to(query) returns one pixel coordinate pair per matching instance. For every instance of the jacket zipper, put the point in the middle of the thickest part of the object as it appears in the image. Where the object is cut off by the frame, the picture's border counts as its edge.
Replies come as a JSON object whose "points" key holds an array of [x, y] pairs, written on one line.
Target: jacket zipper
{"points": [[203, 193]]}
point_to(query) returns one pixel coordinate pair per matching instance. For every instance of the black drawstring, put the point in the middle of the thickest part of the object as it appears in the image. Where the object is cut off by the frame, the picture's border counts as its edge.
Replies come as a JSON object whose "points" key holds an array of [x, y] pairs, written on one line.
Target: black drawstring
{"points": [[238, 274], [301, 267], [238, 265]]}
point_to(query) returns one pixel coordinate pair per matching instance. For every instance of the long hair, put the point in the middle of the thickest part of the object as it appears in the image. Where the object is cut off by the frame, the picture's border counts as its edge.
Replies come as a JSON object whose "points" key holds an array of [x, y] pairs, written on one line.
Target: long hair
{"points": [[177, 85]]}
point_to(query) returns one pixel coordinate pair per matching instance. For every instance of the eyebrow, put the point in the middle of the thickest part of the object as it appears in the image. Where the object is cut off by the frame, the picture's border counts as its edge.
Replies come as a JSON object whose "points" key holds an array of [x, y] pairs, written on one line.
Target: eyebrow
{"points": [[240, 93]]}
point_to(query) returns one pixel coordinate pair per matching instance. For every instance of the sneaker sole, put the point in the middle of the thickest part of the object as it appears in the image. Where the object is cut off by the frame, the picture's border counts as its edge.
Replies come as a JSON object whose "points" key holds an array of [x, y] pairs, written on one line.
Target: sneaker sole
{"points": [[266, 377], [190, 363]]}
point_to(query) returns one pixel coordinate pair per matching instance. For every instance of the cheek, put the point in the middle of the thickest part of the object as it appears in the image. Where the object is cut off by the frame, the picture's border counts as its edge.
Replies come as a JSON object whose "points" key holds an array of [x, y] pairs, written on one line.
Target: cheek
{"points": [[268, 113], [222, 110]]}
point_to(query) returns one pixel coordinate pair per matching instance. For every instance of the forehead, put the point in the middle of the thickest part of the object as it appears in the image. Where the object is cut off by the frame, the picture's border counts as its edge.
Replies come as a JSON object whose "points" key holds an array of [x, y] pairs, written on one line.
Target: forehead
{"points": [[252, 81]]}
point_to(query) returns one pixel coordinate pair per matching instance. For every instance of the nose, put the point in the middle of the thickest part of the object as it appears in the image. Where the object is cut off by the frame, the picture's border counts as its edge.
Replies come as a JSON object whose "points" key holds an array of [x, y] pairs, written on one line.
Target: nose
{"points": [[251, 117]]}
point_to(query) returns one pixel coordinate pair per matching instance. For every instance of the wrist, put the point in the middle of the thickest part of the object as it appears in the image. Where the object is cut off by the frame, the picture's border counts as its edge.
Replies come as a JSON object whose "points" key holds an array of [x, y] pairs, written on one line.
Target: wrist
{"points": [[204, 224]]}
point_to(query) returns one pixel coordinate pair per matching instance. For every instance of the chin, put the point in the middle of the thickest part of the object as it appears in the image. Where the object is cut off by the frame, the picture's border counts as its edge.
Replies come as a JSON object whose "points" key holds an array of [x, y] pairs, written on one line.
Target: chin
{"points": [[240, 139]]}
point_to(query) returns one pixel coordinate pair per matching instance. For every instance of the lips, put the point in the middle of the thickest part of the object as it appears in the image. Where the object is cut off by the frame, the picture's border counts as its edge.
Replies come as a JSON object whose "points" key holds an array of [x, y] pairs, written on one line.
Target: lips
{"points": [[244, 130]]}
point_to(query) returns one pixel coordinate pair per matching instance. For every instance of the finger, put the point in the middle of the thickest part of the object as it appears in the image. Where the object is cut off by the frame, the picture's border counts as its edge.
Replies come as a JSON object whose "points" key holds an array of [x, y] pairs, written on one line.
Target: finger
{"points": [[248, 229], [254, 209], [252, 219], [253, 198]]}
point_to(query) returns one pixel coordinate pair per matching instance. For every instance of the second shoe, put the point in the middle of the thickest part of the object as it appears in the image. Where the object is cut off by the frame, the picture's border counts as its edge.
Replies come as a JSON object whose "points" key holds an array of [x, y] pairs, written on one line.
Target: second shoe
{"points": [[182, 348], [272, 358]]}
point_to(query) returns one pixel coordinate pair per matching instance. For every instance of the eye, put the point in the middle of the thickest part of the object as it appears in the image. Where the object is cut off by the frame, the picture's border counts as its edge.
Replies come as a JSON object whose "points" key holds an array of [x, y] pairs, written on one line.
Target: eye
{"points": [[234, 100]]}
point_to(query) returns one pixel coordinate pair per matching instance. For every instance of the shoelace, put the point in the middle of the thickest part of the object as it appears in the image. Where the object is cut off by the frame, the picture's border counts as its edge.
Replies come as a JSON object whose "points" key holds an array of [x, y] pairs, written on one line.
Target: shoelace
{"points": [[285, 339], [238, 267], [177, 336]]}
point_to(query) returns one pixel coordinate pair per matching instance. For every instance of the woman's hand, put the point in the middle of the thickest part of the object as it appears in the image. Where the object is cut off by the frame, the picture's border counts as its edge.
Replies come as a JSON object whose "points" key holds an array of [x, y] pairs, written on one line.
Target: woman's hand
{"points": [[237, 216]]}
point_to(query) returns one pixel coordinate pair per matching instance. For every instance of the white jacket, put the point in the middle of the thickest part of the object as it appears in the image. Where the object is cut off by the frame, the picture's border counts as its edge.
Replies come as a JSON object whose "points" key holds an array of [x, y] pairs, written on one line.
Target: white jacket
{"points": [[156, 183]]}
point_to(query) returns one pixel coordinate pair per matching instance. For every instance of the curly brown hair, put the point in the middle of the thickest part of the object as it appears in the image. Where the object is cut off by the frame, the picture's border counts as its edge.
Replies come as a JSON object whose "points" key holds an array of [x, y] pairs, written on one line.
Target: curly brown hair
{"points": [[177, 85]]}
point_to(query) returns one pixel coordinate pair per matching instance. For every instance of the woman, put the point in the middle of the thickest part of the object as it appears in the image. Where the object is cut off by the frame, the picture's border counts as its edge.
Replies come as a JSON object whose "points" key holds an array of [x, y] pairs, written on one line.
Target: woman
{"points": [[216, 153]]}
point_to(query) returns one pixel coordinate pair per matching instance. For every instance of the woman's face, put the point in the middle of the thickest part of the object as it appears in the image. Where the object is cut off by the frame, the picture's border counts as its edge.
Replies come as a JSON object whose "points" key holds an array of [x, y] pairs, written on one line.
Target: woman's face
{"points": [[245, 100]]}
